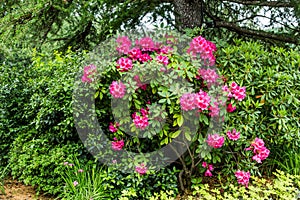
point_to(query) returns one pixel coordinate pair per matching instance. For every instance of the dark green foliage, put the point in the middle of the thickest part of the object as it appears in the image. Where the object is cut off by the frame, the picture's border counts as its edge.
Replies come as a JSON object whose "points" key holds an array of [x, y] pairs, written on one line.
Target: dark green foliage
{"points": [[83, 24], [37, 129], [37, 162], [14, 94], [272, 80]]}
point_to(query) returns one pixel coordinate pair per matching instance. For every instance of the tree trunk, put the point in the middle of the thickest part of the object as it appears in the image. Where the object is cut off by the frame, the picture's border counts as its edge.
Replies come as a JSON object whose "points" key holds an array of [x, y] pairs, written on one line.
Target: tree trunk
{"points": [[188, 13]]}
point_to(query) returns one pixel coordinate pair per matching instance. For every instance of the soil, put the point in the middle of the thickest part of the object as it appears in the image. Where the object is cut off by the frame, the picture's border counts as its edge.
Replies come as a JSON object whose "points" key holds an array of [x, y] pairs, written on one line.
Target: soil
{"points": [[15, 190]]}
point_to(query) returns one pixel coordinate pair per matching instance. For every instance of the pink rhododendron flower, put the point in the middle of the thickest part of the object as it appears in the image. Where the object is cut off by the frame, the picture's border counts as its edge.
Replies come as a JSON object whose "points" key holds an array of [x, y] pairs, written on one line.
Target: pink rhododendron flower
{"points": [[257, 144], [259, 150], [230, 108], [135, 53], [165, 50], [144, 112], [141, 120], [261, 154], [207, 173], [146, 44], [209, 168], [187, 101], [233, 135], [209, 75], [162, 59], [235, 91], [190, 101], [239, 93], [215, 140], [202, 100], [117, 145], [89, 73], [124, 44], [242, 177], [144, 58], [141, 169], [204, 48], [113, 127], [214, 110], [124, 64], [117, 89], [212, 45]]}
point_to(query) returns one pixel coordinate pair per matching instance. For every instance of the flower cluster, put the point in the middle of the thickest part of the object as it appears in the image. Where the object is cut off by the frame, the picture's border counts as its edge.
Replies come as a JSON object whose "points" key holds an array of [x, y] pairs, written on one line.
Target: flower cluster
{"points": [[215, 140], [113, 127], [230, 108], [259, 149], [214, 109], [242, 177], [235, 91], [117, 89], [162, 59], [89, 74], [141, 169], [233, 135], [204, 48], [208, 75], [124, 64], [124, 45], [190, 101], [146, 44], [140, 52], [209, 169], [117, 145], [141, 119]]}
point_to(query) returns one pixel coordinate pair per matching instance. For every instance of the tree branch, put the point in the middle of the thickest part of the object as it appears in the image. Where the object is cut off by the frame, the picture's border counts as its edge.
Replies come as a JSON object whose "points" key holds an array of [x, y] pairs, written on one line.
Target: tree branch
{"points": [[257, 33], [264, 3]]}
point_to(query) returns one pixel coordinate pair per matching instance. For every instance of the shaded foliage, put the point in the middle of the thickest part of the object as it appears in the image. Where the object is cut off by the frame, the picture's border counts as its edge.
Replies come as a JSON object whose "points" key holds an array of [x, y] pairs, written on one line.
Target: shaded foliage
{"points": [[82, 24]]}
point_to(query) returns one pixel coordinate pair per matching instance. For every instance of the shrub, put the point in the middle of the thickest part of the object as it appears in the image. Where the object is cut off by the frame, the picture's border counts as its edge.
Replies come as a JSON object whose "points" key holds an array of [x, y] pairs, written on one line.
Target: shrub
{"points": [[37, 162], [44, 133], [271, 108], [14, 95], [151, 97]]}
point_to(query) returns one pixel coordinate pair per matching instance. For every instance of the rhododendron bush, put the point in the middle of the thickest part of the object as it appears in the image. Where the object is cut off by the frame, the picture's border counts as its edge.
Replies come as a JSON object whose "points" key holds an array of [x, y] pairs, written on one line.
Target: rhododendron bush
{"points": [[163, 94]]}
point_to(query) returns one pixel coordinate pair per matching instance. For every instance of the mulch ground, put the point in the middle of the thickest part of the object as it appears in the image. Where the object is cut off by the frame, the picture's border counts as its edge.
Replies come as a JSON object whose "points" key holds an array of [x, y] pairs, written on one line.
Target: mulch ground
{"points": [[15, 190]]}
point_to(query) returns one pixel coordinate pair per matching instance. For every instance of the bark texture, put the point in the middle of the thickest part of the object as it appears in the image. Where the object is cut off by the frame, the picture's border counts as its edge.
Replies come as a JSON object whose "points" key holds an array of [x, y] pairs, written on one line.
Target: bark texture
{"points": [[188, 13]]}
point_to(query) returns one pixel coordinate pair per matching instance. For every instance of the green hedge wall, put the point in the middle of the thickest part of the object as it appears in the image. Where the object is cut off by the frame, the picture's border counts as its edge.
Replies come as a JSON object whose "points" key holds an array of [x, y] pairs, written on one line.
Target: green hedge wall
{"points": [[272, 78]]}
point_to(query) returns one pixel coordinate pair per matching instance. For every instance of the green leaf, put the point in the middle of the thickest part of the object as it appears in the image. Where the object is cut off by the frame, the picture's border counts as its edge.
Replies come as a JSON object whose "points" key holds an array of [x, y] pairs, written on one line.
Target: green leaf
{"points": [[187, 136], [164, 141], [96, 94], [179, 120], [175, 134]]}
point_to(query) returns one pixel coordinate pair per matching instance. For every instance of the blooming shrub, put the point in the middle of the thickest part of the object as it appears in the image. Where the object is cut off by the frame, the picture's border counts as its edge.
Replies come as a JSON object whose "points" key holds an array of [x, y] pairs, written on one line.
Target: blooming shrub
{"points": [[158, 97]]}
